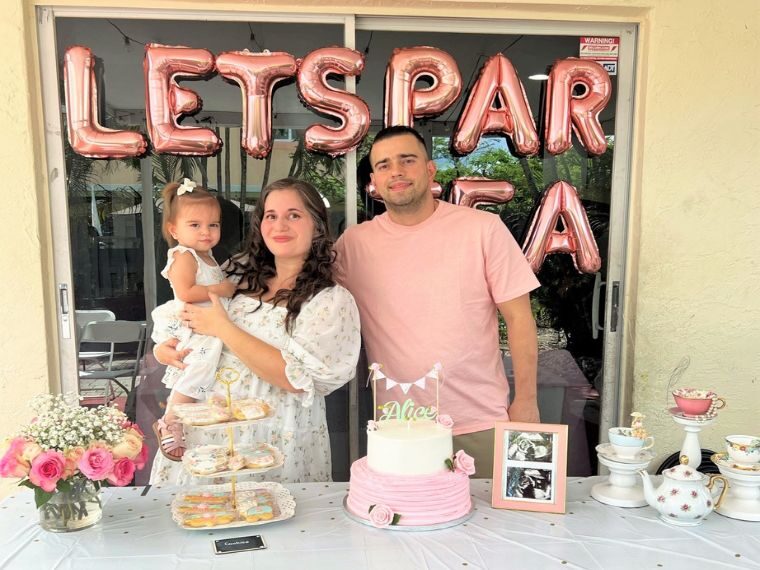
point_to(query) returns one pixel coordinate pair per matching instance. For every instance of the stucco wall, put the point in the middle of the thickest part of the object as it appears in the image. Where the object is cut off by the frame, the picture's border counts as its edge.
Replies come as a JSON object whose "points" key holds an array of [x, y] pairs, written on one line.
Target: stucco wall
{"points": [[697, 270], [693, 270]]}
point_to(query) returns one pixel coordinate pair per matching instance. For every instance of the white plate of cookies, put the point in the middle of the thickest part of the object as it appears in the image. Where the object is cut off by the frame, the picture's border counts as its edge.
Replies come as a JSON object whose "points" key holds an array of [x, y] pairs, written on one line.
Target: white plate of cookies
{"points": [[217, 461], [215, 413], [211, 506]]}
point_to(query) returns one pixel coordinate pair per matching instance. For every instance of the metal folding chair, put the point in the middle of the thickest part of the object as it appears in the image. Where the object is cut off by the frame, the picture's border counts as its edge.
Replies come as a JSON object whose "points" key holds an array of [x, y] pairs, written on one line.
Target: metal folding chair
{"points": [[126, 345], [83, 317]]}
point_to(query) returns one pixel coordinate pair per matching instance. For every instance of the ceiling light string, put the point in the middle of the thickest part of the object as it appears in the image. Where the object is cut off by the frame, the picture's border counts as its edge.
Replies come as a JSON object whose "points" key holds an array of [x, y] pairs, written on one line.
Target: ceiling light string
{"points": [[252, 38], [128, 40]]}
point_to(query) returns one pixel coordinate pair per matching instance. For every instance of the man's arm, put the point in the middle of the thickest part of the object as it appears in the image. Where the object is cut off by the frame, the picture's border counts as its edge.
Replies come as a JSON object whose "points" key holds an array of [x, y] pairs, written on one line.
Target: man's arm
{"points": [[523, 346]]}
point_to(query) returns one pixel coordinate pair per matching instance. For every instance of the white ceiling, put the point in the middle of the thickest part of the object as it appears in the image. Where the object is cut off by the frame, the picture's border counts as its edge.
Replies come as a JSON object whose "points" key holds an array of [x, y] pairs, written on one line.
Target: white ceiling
{"points": [[123, 71]]}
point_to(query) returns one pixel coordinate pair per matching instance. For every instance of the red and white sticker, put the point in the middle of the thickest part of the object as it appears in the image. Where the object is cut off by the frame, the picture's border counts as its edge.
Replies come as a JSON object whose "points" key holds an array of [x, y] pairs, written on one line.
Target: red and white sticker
{"points": [[603, 50]]}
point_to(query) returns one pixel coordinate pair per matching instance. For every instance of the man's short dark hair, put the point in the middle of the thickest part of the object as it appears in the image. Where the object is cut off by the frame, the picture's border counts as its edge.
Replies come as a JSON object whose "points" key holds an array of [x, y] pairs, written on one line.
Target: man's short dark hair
{"points": [[396, 130]]}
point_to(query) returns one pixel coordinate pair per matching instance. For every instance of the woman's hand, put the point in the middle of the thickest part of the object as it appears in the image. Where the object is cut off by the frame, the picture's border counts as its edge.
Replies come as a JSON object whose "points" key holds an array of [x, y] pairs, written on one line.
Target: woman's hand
{"points": [[167, 353], [206, 320]]}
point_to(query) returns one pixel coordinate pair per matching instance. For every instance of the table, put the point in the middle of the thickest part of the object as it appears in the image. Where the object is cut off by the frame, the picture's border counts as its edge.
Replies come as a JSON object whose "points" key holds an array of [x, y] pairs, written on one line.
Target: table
{"points": [[137, 532]]}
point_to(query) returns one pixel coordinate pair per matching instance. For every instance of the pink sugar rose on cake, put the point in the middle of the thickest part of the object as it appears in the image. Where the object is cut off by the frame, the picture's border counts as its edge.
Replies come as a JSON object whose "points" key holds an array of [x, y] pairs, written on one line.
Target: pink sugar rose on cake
{"points": [[381, 516], [96, 463], [444, 420], [464, 463], [47, 469]]}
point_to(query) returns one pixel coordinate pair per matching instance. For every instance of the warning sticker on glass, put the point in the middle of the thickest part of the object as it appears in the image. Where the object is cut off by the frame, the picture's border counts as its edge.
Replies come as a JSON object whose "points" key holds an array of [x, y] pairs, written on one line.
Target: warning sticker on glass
{"points": [[603, 50]]}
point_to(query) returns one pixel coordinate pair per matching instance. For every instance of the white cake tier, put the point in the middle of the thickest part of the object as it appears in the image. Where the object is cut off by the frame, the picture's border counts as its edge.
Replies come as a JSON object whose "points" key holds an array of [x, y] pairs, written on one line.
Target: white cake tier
{"points": [[409, 448]]}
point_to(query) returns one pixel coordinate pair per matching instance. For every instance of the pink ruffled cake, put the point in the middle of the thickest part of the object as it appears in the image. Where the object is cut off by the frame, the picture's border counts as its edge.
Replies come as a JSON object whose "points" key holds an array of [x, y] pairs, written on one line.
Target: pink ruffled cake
{"points": [[410, 477]]}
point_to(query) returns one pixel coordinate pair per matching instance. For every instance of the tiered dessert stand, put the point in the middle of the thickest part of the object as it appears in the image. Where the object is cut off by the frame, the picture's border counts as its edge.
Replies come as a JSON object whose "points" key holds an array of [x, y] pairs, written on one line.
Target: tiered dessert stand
{"points": [[622, 488], [743, 498], [284, 504], [692, 425]]}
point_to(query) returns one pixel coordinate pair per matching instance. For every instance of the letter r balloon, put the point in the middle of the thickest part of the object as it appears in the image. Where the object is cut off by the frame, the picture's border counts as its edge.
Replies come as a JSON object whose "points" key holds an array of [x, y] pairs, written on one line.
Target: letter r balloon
{"points": [[564, 109]]}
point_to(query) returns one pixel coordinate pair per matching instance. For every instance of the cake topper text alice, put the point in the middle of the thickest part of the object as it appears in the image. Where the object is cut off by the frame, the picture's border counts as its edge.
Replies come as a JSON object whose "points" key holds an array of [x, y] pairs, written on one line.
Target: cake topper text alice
{"points": [[407, 411]]}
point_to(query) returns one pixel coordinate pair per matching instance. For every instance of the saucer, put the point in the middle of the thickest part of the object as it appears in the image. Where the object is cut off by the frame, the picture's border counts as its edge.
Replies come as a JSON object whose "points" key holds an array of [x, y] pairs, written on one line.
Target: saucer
{"points": [[606, 450], [722, 460], [676, 412]]}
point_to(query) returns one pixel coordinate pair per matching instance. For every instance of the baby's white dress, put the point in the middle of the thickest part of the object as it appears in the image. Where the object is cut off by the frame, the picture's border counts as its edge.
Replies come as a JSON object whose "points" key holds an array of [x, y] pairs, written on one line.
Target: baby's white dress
{"points": [[195, 380]]}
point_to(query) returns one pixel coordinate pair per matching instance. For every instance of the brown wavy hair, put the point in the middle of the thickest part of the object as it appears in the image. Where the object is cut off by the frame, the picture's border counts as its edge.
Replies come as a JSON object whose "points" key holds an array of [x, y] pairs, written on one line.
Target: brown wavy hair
{"points": [[255, 264], [173, 203]]}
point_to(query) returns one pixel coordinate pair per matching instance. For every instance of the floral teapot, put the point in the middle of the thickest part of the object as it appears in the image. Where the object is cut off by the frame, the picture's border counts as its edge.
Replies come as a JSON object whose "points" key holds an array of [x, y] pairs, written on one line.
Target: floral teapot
{"points": [[683, 498]]}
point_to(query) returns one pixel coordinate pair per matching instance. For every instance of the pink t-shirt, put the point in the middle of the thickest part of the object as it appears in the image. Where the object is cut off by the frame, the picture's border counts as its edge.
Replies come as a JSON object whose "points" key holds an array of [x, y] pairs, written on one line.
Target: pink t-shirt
{"points": [[428, 293]]}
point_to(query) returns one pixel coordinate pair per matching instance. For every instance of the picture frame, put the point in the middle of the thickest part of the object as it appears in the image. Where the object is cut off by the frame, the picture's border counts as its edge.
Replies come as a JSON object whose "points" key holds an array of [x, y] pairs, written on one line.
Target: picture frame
{"points": [[530, 467]]}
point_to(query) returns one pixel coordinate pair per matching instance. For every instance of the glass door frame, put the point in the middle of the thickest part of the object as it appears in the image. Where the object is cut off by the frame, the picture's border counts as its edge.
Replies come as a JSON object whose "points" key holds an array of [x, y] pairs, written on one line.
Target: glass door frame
{"points": [[50, 75], [614, 391], [614, 398]]}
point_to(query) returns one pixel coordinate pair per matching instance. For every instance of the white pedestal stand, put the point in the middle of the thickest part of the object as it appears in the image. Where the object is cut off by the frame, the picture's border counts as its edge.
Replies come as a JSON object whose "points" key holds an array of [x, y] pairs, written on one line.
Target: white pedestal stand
{"points": [[743, 498], [691, 447], [623, 487]]}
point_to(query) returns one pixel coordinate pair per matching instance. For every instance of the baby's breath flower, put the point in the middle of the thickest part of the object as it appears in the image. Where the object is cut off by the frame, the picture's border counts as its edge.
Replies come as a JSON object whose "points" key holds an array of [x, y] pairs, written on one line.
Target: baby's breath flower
{"points": [[61, 423]]}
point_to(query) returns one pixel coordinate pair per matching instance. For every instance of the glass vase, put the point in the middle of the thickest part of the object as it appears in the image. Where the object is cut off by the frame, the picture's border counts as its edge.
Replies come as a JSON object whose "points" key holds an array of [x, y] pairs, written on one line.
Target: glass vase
{"points": [[75, 509]]}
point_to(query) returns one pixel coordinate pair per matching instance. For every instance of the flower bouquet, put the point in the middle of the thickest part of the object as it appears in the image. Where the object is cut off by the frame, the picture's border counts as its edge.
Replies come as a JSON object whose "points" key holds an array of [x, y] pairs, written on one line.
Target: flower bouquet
{"points": [[67, 453]]}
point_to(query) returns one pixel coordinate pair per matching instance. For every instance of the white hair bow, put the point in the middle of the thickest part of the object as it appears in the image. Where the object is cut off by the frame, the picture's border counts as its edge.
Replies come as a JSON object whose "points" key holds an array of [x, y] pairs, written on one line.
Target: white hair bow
{"points": [[186, 186]]}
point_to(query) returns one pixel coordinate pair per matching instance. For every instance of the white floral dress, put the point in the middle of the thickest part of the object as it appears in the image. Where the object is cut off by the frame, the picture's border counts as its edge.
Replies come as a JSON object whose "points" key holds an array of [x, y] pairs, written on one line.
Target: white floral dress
{"points": [[196, 379], [320, 356]]}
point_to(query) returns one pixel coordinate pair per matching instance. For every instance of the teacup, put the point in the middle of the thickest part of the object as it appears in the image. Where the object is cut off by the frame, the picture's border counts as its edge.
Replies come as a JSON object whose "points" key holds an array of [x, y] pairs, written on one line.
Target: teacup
{"points": [[743, 449], [695, 402], [625, 444]]}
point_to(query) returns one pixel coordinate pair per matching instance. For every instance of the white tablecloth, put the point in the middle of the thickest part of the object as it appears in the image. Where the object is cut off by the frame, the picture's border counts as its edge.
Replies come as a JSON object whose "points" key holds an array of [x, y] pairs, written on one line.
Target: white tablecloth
{"points": [[137, 532]]}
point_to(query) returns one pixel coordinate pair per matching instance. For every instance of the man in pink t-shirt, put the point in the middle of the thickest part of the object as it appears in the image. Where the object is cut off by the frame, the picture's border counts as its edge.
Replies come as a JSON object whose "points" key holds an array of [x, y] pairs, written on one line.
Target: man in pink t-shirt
{"points": [[428, 278]]}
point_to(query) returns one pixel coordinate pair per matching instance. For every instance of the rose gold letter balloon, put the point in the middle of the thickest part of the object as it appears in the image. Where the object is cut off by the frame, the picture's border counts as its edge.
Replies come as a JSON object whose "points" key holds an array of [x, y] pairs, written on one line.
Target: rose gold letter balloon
{"points": [[471, 191], [562, 108], [165, 101], [498, 81], [402, 101], [349, 109], [86, 135], [561, 200], [257, 75]]}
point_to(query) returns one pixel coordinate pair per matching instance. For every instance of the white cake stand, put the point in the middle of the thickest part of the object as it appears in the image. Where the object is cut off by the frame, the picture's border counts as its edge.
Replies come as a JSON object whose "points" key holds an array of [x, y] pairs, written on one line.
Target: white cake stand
{"points": [[692, 426], [743, 498], [623, 487]]}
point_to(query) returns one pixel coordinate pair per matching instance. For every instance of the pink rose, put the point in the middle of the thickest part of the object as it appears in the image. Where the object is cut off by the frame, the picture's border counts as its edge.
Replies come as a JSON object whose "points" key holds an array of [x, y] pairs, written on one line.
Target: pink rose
{"points": [[13, 463], [381, 516], [31, 450], [129, 426], [47, 469], [123, 471], [445, 421], [142, 458], [129, 446], [464, 463], [96, 463], [72, 455]]}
